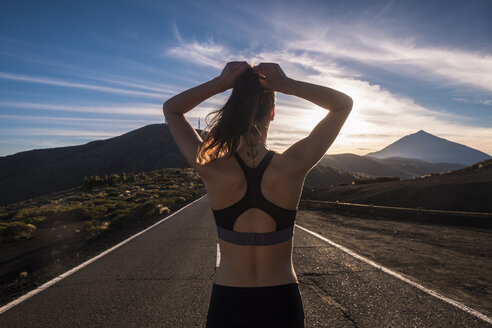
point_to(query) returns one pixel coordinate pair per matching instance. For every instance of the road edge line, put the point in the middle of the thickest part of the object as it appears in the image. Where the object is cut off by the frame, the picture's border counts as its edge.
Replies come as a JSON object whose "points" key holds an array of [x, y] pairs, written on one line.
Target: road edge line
{"points": [[402, 278], [89, 261]]}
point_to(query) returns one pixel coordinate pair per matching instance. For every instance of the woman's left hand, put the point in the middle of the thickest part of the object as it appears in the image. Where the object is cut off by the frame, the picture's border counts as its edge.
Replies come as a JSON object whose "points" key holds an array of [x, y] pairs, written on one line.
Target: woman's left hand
{"points": [[230, 73]]}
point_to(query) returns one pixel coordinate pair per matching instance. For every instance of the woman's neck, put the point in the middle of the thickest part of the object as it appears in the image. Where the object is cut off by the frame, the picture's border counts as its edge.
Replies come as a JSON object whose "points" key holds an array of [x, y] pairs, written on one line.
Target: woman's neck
{"points": [[253, 146]]}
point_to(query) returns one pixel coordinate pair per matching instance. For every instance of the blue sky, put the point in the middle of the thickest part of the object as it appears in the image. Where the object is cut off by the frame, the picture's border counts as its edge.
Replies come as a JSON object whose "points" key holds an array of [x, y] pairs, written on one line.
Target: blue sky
{"points": [[76, 71]]}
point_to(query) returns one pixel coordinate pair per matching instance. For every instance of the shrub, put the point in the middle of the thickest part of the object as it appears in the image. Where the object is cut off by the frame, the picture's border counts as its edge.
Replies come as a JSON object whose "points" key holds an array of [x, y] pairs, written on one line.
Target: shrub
{"points": [[145, 210], [94, 229], [13, 231], [161, 209], [113, 192], [36, 219], [119, 221], [92, 181]]}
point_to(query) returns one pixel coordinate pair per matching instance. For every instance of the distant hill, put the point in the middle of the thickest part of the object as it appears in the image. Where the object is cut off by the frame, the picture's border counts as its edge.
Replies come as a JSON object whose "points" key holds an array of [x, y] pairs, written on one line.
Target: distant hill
{"points": [[322, 176], [38, 172], [466, 189], [427, 147], [397, 167]]}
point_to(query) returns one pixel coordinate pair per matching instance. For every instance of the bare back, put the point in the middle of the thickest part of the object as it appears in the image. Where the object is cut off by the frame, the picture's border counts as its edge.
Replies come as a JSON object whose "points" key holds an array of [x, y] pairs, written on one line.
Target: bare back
{"points": [[254, 265]]}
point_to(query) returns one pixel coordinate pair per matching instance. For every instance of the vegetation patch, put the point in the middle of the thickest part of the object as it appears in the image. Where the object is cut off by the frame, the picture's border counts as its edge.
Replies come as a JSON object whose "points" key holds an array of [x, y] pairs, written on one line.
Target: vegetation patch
{"points": [[102, 203], [65, 228]]}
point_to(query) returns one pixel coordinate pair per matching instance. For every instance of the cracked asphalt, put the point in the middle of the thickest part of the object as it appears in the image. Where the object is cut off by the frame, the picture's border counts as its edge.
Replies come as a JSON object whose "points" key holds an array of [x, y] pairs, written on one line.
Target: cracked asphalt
{"points": [[163, 278]]}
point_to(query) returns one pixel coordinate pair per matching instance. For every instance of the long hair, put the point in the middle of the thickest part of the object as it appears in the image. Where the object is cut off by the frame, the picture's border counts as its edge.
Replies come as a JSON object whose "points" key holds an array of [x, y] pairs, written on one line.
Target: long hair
{"points": [[248, 105]]}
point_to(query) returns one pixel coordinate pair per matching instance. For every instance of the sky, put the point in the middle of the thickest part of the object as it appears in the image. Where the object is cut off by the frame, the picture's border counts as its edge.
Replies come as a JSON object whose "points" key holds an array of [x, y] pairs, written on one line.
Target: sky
{"points": [[77, 71]]}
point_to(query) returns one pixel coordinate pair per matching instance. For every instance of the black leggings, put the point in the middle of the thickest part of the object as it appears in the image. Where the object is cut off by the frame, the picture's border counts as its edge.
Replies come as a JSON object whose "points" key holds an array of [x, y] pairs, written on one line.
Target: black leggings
{"points": [[256, 307]]}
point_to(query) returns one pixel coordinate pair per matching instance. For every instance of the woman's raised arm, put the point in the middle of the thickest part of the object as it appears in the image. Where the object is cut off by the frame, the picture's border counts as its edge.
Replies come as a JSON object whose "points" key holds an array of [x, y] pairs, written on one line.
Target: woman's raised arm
{"points": [[307, 152], [273, 78], [184, 135]]}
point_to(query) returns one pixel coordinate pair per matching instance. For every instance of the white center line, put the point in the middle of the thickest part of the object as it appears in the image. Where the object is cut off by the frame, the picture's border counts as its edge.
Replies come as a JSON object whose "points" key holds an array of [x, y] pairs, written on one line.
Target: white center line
{"points": [[217, 263], [399, 276]]}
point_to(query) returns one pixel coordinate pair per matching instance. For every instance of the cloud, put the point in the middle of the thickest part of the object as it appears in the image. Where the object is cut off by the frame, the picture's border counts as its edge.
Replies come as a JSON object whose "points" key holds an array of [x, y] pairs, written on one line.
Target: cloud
{"points": [[63, 83], [92, 134], [82, 122], [208, 54], [136, 109], [377, 112], [205, 54], [15, 145], [479, 101], [401, 55]]}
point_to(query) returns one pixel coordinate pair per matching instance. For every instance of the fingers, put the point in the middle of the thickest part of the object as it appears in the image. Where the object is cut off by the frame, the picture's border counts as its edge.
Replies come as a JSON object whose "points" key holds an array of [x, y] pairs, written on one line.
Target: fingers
{"points": [[267, 68], [240, 66], [264, 84], [263, 65], [244, 66]]}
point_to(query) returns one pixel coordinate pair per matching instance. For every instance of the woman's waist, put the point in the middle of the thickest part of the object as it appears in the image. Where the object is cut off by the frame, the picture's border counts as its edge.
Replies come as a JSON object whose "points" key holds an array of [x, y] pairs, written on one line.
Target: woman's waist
{"points": [[242, 275]]}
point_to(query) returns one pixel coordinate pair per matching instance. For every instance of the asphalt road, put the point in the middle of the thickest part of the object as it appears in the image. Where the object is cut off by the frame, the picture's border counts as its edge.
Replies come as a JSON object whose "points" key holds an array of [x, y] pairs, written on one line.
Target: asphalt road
{"points": [[163, 278]]}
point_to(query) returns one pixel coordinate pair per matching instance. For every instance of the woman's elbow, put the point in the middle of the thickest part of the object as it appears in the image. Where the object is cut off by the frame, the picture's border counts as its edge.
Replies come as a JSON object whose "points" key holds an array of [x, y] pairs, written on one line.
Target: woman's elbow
{"points": [[349, 103], [165, 107]]}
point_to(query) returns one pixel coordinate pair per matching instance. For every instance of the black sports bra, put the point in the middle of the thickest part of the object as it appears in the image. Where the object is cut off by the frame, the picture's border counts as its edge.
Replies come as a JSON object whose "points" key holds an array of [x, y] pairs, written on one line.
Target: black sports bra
{"points": [[225, 218]]}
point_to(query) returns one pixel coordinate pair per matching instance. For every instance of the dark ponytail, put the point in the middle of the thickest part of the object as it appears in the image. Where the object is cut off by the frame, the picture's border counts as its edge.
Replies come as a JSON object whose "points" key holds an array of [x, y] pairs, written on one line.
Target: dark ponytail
{"points": [[248, 106]]}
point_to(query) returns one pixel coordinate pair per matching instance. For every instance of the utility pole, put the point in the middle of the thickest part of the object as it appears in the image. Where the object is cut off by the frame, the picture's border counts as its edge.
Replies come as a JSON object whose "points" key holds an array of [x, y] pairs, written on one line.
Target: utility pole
{"points": [[198, 123]]}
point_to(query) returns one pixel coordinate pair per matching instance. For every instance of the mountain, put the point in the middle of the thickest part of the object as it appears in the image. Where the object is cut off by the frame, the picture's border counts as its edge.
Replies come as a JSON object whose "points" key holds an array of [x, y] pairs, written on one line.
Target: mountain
{"points": [[322, 176], [429, 148], [38, 172], [397, 167]]}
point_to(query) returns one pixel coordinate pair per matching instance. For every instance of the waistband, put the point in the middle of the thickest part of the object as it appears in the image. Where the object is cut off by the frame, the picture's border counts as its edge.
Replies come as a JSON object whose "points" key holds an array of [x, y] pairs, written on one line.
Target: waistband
{"points": [[257, 290], [263, 293], [255, 238]]}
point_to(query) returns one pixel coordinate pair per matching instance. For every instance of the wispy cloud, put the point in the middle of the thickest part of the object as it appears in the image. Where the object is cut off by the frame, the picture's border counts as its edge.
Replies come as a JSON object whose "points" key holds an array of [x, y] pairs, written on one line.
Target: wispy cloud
{"points": [[209, 54], [205, 54], [27, 53], [402, 55], [136, 109], [377, 111], [479, 101], [92, 134], [163, 89], [68, 84], [80, 122], [14, 145]]}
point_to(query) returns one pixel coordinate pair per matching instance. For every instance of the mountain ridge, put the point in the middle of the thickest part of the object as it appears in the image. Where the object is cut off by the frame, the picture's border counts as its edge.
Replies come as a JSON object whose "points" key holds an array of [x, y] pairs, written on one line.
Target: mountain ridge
{"points": [[430, 148], [38, 172], [404, 168]]}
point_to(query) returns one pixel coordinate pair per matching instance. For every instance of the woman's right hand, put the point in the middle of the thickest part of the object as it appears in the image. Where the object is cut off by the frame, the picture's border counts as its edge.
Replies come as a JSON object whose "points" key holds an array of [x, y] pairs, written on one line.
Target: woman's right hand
{"points": [[271, 76]]}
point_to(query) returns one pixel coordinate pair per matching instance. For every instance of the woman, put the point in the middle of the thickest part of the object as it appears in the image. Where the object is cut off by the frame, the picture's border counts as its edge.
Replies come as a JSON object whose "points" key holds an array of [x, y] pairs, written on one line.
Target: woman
{"points": [[254, 191]]}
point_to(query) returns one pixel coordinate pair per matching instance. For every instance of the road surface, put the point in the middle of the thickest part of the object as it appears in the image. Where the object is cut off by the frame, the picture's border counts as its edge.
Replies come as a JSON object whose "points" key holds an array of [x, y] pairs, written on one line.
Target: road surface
{"points": [[163, 278]]}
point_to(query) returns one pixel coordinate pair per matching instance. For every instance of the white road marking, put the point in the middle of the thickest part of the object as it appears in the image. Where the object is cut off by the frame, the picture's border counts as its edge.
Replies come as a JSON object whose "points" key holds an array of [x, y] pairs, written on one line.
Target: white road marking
{"points": [[399, 276], [77, 268], [217, 263]]}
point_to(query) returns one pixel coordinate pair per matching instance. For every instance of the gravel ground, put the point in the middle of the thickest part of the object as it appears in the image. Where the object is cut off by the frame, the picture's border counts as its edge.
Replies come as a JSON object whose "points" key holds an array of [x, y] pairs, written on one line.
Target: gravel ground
{"points": [[454, 261]]}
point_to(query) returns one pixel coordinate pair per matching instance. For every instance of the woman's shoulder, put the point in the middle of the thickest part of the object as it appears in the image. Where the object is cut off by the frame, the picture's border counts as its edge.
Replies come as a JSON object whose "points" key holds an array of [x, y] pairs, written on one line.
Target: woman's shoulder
{"points": [[279, 165], [216, 167]]}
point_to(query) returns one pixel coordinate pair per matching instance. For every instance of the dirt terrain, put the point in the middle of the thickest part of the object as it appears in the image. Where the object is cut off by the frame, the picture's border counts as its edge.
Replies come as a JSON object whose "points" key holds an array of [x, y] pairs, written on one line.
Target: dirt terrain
{"points": [[454, 261], [463, 190]]}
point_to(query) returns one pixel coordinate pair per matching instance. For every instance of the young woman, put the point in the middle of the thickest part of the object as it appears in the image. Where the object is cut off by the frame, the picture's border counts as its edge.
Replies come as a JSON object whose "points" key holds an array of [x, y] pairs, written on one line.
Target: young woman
{"points": [[254, 191]]}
